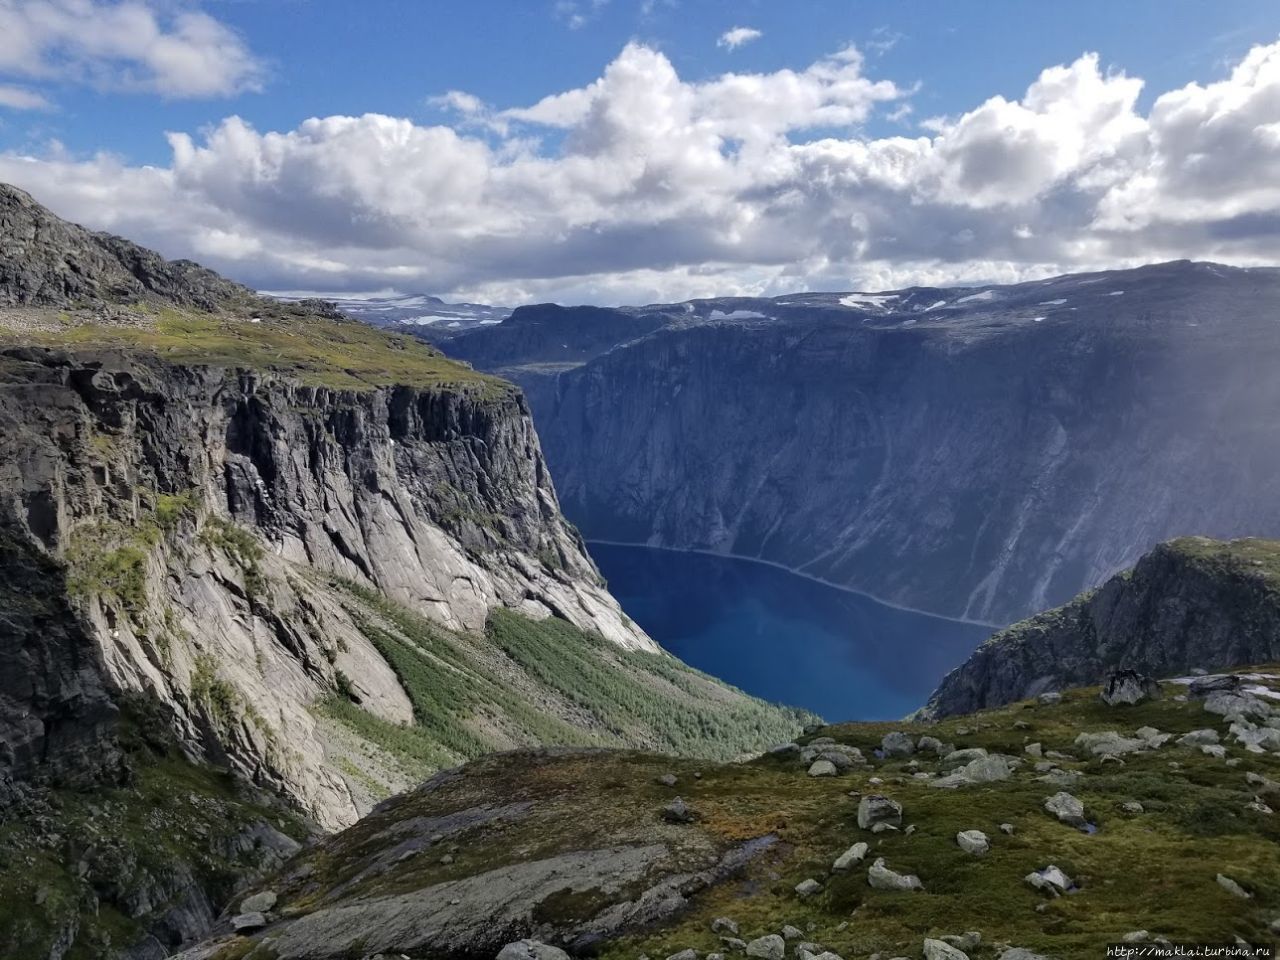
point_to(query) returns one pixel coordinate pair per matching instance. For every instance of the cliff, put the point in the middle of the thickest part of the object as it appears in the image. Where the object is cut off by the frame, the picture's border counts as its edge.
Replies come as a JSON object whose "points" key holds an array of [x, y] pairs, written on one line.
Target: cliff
{"points": [[1191, 604], [980, 453]]}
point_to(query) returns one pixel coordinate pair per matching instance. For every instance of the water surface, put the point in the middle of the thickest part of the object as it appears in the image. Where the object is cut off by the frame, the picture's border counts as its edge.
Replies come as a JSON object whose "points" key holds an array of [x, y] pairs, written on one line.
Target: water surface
{"points": [[785, 637]]}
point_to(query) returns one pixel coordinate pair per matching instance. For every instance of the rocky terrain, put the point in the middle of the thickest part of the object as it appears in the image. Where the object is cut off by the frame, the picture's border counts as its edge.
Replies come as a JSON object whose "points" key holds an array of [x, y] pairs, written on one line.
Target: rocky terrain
{"points": [[1047, 828], [429, 317], [1191, 603], [979, 452], [274, 566]]}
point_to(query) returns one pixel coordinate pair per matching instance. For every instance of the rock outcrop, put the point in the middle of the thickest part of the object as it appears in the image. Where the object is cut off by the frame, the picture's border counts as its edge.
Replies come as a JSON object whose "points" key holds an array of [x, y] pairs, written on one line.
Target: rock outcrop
{"points": [[975, 453], [1188, 604]]}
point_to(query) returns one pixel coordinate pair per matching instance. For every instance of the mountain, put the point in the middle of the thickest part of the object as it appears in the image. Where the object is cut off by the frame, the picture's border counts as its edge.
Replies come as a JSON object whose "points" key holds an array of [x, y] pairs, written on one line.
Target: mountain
{"points": [[429, 317], [975, 452], [1029, 852], [262, 566], [1191, 603]]}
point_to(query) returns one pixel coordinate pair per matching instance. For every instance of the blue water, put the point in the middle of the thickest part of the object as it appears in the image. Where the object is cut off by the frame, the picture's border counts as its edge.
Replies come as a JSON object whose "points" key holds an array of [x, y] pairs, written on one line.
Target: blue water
{"points": [[784, 637]]}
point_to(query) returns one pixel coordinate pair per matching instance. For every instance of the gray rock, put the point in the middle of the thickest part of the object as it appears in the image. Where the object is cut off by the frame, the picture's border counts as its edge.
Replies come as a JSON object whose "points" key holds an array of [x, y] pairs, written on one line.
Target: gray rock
{"points": [[940, 950], [874, 809], [880, 877], [958, 757], [1132, 807], [248, 922], [724, 925], [1110, 743], [531, 950], [770, 947], [853, 855], [1066, 808], [1033, 750], [1049, 698], [809, 887], [667, 780], [1128, 687], [1021, 953], [1233, 888], [823, 768], [259, 902], [1050, 880], [677, 811], [687, 954], [1007, 828], [897, 744], [791, 933], [973, 841], [1198, 738]]}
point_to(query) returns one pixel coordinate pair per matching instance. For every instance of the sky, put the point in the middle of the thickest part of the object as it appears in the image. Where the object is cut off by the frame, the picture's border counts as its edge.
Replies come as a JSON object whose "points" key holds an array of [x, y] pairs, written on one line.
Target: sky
{"points": [[631, 151]]}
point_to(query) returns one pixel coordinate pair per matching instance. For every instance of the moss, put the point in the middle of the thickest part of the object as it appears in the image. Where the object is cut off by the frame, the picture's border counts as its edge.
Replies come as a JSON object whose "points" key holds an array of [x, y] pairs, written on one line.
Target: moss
{"points": [[242, 547], [217, 696]]}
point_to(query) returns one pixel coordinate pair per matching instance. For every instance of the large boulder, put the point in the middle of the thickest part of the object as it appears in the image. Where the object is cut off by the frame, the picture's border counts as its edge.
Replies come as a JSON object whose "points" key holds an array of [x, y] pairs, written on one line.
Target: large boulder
{"points": [[874, 809], [880, 877], [531, 950], [1066, 808], [771, 947], [1128, 687]]}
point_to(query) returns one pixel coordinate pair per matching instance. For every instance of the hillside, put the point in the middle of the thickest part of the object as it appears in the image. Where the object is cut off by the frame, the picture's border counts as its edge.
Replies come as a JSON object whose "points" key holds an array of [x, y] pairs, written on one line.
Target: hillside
{"points": [[269, 560], [1157, 817], [1189, 604], [981, 452]]}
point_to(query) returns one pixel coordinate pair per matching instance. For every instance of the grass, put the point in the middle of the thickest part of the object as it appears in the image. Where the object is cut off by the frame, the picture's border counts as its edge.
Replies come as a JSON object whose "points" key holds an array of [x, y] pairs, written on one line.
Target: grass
{"points": [[343, 355]]}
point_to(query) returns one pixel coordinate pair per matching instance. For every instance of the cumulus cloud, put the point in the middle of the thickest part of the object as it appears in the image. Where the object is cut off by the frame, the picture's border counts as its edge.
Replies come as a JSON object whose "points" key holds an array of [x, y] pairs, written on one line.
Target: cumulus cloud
{"points": [[126, 45], [21, 98], [645, 186], [733, 39]]}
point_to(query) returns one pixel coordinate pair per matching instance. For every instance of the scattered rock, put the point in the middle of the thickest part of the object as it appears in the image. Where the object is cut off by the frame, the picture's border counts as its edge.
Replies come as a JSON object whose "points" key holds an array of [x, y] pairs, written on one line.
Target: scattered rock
{"points": [[689, 954], [247, 922], [1066, 808], [1198, 738], [1050, 880], [1233, 888], [957, 757], [897, 744], [1128, 687], [932, 745], [981, 769], [823, 768], [667, 780], [1049, 698], [1214, 750], [724, 925], [1021, 953], [770, 947], [784, 749], [1033, 750], [792, 933], [851, 856], [531, 950], [973, 841], [1207, 686], [1136, 936], [259, 902], [939, 950], [1006, 828], [880, 877], [677, 811], [807, 888], [1132, 807], [874, 809]]}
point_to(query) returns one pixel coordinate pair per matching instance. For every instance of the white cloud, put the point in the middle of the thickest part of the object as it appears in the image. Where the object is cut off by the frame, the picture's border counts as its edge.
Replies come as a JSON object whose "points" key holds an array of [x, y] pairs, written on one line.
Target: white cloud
{"points": [[21, 98], [733, 39], [134, 45], [644, 186]]}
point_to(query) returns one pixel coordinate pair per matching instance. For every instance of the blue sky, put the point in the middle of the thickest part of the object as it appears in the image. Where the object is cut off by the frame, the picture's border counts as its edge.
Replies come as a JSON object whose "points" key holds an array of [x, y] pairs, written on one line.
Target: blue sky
{"points": [[933, 127]]}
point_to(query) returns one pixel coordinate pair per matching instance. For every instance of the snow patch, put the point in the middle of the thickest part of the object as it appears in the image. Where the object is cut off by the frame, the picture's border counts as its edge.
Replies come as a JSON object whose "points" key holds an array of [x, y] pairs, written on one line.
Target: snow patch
{"points": [[1116, 293], [1037, 319], [1052, 303], [738, 315], [976, 297], [935, 306], [875, 301]]}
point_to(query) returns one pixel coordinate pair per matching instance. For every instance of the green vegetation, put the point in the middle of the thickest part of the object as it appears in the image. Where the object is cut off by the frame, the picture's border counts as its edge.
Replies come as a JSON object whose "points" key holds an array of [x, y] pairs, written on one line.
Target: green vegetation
{"points": [[217, 696], [241, 546], [1260, 558], [111, 558], [321, 352]]}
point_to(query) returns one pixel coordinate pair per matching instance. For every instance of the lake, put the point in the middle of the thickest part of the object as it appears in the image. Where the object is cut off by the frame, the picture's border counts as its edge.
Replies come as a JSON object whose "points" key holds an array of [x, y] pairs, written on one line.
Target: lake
{"points": [[784, 637]]}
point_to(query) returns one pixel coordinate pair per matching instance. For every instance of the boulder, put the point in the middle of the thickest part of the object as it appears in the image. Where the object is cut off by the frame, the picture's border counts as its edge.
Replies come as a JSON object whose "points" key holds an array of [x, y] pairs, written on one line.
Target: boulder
{"points": [[880, 877], [1203, 687], [874, 809], [853, 855], [940, 950], [1049, 698], [1198, 738], [531, 950], [958, 757], [1050, 880], [770, 947], [259, 902], [1128, 687], [724, 925], [677, 811], [807, 888], [667, 780], [248, 922], [823, 768], [1233, 888], [791, 933], [1110, 743], [973, 841], [897, 744], [688, 954], [1066, 808]]}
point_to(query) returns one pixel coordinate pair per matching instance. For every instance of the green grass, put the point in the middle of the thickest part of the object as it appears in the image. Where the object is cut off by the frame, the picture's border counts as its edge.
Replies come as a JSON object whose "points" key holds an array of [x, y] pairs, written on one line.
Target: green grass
{"points": [[320, 352]]}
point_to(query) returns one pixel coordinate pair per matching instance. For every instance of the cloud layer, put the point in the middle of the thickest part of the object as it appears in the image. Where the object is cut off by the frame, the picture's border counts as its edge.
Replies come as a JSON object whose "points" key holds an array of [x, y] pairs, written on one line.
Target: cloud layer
{"points": [[124, 45], [643, 186]]}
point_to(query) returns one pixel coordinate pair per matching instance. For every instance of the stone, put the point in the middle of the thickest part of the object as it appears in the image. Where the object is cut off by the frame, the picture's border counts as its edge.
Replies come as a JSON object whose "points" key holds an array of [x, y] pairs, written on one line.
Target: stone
{"points": [[724, 925], [689, 954], [1006, 828], [791, 933], [807, 888], [928, 744], [1050, 880], [841, 761], [1128, 687], [770, 947], [822, 768], [1233, 888], [1066, 808], [880, 877], [1207, 686], [973, 841], [874, 808], [247, 922], [531, 950], [1033, 750], [882, 827], [940, 950], [259, 902], [677, 811], [1214, 750], [853, 855], [785, 749], [1236, 706], [958, 757], [969, 940], [1049, 698], [1198, 738], [667, 780], [1110, 742], [1021, 953], [1132, 807], [1136, 936], [897, 744]]}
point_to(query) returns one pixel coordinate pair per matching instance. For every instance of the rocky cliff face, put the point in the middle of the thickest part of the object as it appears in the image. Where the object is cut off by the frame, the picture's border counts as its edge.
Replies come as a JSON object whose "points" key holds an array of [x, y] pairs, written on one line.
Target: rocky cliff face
{"points": [[976, 453], [1189, 604]]}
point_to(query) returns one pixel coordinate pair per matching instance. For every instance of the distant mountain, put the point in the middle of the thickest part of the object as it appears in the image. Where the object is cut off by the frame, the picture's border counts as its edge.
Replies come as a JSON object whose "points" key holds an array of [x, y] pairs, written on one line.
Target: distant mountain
{"points": [[980, 452], [426, 316]]}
